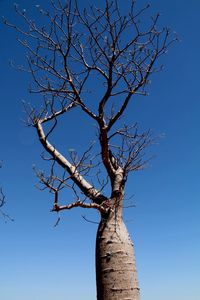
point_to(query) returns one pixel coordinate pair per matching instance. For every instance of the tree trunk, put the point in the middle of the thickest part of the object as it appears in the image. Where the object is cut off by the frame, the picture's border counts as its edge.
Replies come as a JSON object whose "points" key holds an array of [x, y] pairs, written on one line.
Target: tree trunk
{"points": [[116, 273]]}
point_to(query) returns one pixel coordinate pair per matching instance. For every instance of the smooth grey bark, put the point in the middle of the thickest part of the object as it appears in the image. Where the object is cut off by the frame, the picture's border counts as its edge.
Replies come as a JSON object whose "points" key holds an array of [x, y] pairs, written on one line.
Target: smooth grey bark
{"points": [[116, 274]]}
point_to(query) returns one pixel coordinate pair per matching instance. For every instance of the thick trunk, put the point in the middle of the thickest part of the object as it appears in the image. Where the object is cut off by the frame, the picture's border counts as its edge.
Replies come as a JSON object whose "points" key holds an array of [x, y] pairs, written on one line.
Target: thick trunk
{"points": [[116, 273]]}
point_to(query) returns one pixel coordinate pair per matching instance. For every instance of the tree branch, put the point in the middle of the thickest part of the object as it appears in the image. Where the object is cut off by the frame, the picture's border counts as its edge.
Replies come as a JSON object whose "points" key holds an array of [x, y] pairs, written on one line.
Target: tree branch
{"points": [[100, 208], [84, 186], [98, 60]]}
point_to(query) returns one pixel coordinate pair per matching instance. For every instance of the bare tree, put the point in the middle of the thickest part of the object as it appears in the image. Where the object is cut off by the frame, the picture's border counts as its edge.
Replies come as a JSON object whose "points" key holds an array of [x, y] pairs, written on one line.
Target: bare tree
{"points": [[71, 56]]}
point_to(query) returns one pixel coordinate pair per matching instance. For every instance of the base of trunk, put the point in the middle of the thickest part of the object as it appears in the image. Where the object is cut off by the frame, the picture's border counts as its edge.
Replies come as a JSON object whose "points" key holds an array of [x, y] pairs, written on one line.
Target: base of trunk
{"points": [[116, 273]]}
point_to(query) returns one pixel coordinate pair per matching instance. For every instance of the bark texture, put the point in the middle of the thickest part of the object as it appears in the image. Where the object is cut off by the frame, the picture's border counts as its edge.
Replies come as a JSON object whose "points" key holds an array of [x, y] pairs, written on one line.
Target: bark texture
{"points": [[116, 273]]}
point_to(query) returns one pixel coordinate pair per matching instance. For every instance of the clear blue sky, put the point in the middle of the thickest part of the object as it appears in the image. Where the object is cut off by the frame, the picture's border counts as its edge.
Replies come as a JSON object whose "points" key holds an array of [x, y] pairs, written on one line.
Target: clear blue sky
{"points": [[40, 262]]}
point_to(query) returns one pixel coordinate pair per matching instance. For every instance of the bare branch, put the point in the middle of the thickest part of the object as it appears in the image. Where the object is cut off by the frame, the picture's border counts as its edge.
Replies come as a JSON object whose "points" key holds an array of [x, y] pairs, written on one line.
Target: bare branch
{"points": [[82, 204], [87, 189], [94, 61], [2, 203]]}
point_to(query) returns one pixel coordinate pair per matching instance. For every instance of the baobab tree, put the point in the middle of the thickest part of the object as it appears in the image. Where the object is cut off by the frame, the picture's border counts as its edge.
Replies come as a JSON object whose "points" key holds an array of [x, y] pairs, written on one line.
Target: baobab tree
{"points": [[93, 61]]}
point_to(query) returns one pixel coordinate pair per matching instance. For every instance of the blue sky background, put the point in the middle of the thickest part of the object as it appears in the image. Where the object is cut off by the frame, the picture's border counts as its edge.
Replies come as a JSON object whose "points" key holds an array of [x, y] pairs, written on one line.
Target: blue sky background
{"points": [[40, 262]]}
